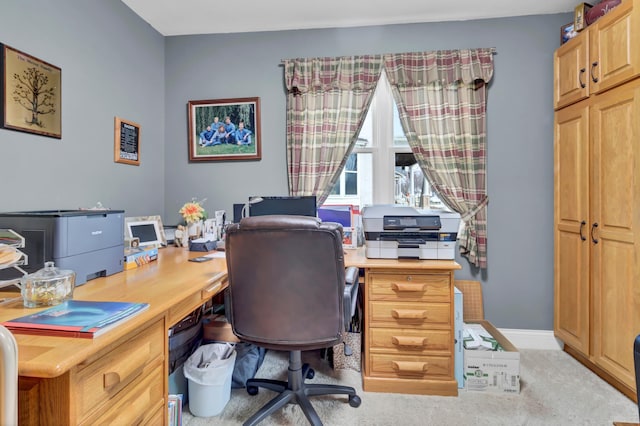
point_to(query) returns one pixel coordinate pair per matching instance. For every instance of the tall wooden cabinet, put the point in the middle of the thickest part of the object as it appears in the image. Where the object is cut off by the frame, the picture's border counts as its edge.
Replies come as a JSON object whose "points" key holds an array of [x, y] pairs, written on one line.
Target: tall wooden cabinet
{"points": [[597, 195]]}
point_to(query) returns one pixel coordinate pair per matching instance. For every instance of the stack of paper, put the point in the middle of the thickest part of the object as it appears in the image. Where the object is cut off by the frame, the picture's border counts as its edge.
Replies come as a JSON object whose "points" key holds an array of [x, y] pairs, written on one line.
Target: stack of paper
{"points": [[475, 337]]}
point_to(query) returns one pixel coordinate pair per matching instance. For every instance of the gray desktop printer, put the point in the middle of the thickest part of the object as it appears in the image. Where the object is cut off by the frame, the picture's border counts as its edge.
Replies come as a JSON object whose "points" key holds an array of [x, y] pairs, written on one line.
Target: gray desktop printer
{"points": [[401, 232], [89, 242]]}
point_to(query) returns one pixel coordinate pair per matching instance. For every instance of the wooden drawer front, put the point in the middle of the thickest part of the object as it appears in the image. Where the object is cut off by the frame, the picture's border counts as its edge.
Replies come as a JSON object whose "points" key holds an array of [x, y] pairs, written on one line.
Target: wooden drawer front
{"points": [[410, 340], [410, 287], [108, 375], [185, 307], [139, 404], [211, 291], [414, 367], [393, 314]]}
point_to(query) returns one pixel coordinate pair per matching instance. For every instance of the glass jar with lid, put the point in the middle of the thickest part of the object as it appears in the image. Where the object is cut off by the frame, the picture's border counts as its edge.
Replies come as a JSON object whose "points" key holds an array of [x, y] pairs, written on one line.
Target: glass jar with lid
{"points": [[48, 286]]}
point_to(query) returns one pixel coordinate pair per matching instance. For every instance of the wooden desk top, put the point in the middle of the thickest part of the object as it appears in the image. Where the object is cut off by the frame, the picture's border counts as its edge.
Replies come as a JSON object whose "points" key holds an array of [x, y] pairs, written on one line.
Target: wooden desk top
{"points": [[357, 257], [163, 284]]}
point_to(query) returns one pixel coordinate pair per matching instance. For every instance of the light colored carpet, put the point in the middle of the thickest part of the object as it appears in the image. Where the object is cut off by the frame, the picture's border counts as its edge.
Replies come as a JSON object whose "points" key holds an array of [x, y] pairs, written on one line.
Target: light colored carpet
{"points": [[555, 390]]}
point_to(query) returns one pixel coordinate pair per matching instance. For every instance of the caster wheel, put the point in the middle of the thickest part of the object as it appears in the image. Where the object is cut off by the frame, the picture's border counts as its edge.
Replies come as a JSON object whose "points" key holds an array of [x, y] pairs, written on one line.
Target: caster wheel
{"points": [[354, 401], [311, 373], [253, 390]]}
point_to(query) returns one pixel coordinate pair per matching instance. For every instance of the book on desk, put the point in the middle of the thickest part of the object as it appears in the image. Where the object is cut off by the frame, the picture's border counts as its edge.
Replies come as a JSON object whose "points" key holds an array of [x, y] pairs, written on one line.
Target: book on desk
{"points": [[76, 318]]}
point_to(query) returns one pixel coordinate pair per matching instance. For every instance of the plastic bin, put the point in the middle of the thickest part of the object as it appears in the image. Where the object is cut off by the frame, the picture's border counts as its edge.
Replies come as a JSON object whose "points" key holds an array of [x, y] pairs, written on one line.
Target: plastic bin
{"points": [[208, 371]]}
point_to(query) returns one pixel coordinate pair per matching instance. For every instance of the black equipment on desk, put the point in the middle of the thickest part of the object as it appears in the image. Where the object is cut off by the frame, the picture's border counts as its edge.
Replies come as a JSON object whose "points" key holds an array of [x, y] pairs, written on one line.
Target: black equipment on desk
{"points": [[290, 205]]}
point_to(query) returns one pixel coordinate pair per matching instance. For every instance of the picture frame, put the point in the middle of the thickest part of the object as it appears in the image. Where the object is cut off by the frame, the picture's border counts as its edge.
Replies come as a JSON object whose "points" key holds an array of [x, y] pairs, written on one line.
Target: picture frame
{"points": [[148, 229], [579, 16], [126, 143], [23, 107], [567, 32], [241, 141]]}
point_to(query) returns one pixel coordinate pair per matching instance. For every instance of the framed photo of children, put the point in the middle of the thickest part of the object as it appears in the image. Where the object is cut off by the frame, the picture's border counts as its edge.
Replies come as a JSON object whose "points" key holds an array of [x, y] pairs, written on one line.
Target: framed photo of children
{"points": [[224, 129], [30, 94]]}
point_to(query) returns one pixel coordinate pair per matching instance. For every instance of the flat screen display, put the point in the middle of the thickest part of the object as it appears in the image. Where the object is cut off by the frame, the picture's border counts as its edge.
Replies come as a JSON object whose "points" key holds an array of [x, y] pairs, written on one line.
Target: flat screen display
{"points": [[300, 206]]}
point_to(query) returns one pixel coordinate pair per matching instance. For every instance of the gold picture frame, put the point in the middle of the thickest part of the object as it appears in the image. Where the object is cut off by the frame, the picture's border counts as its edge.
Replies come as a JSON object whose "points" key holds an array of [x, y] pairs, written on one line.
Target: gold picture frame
{"points": [[126, 142], [30, 93], [579, 16]]}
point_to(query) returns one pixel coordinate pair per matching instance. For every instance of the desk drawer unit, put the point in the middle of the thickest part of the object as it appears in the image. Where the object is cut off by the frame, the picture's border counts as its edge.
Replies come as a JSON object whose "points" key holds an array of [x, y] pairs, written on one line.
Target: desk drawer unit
{"points": [[409, 332], [115, 375]]}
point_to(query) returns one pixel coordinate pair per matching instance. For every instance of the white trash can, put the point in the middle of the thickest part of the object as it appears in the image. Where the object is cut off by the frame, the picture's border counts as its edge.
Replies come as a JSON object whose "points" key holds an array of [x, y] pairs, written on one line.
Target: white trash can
{"points": [[208, 371]]}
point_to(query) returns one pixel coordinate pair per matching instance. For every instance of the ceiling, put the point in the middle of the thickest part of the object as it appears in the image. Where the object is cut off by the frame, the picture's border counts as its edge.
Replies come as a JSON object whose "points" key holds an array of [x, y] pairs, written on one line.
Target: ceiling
{"points": [[182, 17]]}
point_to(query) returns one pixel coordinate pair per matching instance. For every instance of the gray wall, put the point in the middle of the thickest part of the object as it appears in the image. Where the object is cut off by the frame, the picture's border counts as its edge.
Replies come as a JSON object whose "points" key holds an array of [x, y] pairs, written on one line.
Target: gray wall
{"points": [[518, 284], [112, 65]]}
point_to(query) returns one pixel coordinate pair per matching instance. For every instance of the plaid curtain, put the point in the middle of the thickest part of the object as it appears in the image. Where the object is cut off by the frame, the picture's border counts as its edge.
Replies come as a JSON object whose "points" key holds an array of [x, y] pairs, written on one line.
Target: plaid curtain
{"points": [[327, 101], [441, 99]]}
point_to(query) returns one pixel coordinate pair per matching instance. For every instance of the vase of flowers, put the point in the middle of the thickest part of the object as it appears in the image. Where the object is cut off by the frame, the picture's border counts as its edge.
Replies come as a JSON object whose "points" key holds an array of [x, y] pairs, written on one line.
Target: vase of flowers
{"points": [[194, 214]]}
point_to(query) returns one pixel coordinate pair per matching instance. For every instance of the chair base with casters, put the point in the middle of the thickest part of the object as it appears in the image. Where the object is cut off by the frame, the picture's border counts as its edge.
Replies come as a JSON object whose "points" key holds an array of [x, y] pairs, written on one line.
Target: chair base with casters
{"points": [[296, 391]]}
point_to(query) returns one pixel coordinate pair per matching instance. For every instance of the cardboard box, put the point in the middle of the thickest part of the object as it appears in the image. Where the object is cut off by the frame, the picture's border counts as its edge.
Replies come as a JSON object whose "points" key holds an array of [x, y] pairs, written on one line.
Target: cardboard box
{"points": [[135, 257], [217, 329], [492, 371]]}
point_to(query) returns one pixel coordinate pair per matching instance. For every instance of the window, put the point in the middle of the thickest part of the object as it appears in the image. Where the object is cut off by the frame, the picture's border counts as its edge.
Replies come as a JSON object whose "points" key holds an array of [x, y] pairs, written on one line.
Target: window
{"points": [[382, 169]]}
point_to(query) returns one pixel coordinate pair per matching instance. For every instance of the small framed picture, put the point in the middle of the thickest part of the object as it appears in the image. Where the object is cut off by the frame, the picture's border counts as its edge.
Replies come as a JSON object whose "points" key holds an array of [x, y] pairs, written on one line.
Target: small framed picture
{"points": [[579, 21], [567, 32]]}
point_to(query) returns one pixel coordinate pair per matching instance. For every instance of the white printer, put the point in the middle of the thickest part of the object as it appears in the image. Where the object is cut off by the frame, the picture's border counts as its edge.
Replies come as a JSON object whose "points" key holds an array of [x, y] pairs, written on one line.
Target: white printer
{"points": [[400, 232]]}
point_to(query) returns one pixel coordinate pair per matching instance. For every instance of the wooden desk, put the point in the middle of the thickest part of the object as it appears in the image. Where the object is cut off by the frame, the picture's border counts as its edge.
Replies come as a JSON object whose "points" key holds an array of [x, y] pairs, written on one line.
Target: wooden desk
{"points": [[408, 324], [122, 376]]}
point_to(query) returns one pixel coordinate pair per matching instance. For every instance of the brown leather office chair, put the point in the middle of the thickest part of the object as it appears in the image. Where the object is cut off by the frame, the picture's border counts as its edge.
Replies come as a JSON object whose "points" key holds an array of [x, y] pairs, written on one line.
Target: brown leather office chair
{"points": [[287, 292]]}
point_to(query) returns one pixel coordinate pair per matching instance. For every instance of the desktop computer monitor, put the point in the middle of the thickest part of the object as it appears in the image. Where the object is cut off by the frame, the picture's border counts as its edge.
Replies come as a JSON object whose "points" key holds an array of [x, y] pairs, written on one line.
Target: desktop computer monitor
{"points": [[301, 206]]}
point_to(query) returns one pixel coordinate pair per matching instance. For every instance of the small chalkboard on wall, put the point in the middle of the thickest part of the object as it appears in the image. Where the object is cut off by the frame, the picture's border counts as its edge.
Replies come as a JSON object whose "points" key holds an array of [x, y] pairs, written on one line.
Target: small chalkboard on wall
{"points": [[127, 142]]}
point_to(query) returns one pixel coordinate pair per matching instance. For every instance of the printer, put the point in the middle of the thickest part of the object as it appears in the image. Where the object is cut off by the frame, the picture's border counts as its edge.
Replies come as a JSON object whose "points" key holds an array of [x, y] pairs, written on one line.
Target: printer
{"points": [[400, 232], [89, 242]]}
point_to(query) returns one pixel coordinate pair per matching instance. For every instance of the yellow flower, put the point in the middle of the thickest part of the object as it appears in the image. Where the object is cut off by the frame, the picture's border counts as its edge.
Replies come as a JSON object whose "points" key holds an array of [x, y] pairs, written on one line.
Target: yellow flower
{"points": [[193, 211]]}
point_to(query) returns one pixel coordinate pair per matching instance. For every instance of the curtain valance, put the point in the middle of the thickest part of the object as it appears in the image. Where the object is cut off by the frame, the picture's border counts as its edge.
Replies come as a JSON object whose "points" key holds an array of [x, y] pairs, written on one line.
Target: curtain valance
{"points": [[445, 66], [361, 73], [355, 73]]}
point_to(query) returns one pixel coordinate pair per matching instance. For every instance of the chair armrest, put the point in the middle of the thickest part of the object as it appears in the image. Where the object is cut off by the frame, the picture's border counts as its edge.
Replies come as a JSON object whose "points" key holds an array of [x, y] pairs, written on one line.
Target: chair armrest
{"points": [[352, 283]]}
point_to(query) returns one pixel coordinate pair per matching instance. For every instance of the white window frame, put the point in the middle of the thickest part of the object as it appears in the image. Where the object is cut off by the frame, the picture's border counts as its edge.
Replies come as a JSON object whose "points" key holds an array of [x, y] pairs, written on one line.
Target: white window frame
{"points": [[381, 148]]}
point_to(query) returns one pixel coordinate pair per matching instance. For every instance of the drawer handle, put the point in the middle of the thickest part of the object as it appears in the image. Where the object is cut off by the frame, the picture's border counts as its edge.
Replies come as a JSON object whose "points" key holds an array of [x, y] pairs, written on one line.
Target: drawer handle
{"points": [[408, 314], [409, 367], [213, 288], [399, 287], [409, 341], [110, 379]]}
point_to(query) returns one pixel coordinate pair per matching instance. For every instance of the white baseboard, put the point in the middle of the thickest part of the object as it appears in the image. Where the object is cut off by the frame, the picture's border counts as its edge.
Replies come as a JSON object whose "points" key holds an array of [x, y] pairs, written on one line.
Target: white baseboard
{"points": [[532, 339]]}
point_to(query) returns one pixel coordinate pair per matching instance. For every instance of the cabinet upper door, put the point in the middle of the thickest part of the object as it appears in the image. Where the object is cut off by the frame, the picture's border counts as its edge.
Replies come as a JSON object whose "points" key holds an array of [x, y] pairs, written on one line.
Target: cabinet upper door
{"points": [[571, 82], [614, 53]]}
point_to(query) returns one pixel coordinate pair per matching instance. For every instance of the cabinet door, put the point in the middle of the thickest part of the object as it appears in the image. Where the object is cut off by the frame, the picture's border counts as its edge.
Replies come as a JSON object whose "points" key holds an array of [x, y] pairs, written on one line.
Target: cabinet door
{"points": [[571, 82], [614, 53], [571, 211], [615, 201]]}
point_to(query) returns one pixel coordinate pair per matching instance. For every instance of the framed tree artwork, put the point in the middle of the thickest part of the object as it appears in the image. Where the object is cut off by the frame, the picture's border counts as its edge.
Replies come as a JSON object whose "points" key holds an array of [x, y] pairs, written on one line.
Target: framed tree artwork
{"points": [[224, 129], [30, 94]]}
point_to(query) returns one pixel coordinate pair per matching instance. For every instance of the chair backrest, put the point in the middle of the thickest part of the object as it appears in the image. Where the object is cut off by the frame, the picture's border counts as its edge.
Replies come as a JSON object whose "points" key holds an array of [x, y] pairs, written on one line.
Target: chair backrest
{"points": [[286, 281]]}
